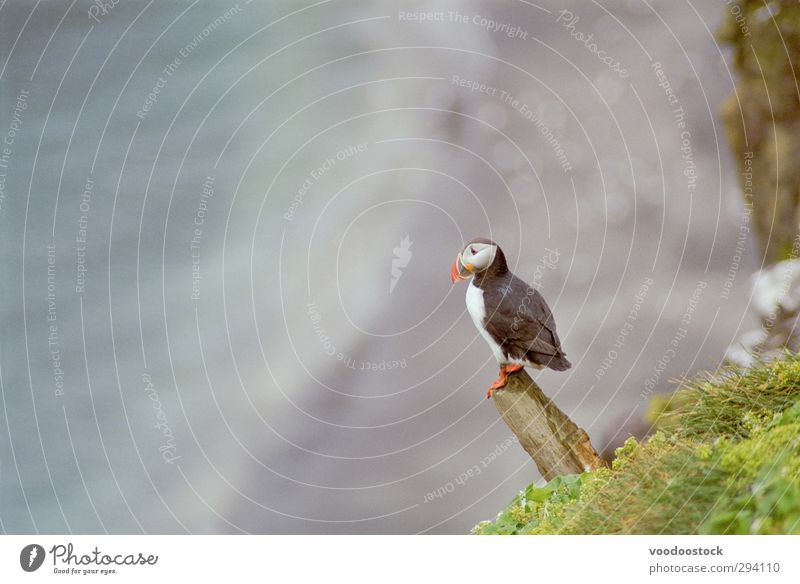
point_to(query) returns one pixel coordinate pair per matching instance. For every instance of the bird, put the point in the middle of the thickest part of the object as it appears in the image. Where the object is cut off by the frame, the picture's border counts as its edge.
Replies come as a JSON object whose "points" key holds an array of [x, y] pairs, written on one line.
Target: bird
{"points": [[510, 314]]}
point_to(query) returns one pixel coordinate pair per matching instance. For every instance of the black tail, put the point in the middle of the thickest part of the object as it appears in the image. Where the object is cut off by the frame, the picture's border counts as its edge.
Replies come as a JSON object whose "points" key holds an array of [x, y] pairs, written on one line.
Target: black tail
{"points": [[556, 362], [559, 363]]}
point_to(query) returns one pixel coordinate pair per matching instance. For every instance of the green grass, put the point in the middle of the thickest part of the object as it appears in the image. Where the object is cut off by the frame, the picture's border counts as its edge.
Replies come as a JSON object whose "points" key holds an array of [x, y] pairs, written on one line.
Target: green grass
{"points": [[725, 459]]}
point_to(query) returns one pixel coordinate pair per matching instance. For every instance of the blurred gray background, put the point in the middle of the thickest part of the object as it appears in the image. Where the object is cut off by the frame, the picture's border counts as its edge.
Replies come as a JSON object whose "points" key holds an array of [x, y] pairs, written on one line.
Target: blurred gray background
{"points": [[230, 349]]}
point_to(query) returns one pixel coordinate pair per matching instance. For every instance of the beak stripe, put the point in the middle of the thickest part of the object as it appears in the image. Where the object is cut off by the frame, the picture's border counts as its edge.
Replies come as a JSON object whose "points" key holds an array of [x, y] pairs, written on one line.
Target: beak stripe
{"points": [[456, 269]]}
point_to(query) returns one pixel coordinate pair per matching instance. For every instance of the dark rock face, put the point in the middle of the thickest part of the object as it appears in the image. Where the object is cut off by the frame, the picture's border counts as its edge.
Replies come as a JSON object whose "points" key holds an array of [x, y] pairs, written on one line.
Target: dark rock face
{"points": [[762, 118]]}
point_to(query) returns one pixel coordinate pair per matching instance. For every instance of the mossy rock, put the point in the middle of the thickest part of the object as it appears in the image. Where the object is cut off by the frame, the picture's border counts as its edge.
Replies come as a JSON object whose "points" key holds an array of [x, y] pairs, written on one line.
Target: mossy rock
{"points": [[726, 459]]}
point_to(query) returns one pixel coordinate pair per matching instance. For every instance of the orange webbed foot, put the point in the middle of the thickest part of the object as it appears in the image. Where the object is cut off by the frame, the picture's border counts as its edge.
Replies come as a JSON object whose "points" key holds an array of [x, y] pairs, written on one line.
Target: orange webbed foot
{"points": [[499, 383], [502, 379]]}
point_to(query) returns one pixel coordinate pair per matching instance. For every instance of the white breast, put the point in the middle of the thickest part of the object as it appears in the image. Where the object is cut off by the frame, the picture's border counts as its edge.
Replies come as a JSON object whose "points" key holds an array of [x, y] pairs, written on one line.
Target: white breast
{"points": [[477, 310]]}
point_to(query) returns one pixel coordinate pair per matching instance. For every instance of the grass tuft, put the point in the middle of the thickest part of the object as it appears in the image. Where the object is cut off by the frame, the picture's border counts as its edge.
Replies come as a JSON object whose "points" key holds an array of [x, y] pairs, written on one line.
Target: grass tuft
{"points": [[725, 459]]}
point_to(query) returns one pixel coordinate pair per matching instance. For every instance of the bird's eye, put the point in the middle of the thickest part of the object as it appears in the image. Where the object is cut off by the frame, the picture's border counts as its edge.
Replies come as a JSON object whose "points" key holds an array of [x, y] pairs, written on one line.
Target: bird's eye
{"points": [[472, 250]]}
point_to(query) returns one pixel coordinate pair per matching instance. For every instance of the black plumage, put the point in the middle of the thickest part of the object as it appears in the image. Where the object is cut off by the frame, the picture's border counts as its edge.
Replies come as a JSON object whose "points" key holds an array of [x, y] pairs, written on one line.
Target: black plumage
{"points": [[518, 318], [511, 315]]}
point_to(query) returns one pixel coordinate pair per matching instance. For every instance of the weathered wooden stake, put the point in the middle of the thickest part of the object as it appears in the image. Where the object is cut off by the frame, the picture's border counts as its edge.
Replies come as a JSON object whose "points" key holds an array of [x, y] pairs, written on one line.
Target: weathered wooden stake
{"points": [[556, 444]]}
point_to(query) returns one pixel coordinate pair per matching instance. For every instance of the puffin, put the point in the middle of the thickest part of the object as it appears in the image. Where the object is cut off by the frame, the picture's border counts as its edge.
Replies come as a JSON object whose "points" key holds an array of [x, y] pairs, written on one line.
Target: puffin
{"points": [[511, 315]]}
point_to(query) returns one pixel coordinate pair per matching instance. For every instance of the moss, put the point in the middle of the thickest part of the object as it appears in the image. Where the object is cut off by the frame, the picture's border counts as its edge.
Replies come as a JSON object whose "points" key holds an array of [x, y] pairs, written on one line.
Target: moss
{"points": [[730, 403], [534, 505], [764, 484], [725, 459]]}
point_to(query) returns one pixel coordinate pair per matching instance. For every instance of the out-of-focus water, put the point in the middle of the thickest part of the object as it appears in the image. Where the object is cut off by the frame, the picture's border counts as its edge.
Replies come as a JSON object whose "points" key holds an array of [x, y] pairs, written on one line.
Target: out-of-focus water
{"points": [[203, 204]]}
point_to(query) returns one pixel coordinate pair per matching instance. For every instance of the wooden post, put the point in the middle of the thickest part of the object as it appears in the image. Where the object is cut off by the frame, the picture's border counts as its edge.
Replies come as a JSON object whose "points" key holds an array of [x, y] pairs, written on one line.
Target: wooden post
{"points": [[556, 444]]}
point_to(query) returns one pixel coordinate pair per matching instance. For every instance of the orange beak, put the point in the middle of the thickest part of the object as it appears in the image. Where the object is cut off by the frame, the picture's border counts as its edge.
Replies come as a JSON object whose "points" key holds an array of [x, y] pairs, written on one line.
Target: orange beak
{"points": [[458, 271]]}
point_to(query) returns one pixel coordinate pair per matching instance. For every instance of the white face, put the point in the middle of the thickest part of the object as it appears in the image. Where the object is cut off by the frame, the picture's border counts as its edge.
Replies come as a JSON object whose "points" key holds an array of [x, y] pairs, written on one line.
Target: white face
{"points": [[476, 257]]}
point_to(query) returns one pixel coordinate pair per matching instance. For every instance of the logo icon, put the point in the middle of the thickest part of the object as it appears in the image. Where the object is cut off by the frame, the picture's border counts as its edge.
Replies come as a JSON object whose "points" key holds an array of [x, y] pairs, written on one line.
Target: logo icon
{"points": [[402, 255], [31, 557]]}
